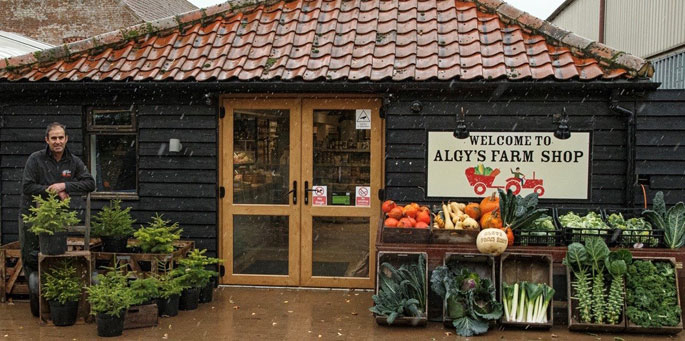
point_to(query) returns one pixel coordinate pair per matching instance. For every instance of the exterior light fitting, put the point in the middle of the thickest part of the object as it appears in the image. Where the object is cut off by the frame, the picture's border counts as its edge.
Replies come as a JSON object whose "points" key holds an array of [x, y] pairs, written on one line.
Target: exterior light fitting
{"points": [[461, 131], [563, 131]]}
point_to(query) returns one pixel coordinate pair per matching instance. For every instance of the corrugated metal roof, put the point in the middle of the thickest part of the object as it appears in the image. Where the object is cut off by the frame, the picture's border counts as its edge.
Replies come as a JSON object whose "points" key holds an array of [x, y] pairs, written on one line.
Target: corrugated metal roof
{"points": [[12, 44], [335, 40]]}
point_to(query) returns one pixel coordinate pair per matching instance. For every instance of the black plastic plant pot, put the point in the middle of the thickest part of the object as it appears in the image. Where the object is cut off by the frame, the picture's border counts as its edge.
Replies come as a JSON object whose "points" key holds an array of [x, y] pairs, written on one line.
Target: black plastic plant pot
{"points": [[207, 292], [168, 306], [114, 244], [63, 314], [55, 244], [109, 325], [189, 299]]}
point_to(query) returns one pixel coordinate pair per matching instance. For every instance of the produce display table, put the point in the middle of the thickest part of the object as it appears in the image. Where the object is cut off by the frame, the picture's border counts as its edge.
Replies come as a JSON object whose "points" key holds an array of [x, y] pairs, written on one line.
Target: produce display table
{"points": [[436, 254]]}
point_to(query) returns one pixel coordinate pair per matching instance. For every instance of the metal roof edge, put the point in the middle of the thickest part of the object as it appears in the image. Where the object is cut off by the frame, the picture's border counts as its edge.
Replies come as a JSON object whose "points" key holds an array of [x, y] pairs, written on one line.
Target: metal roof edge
{"points": [[559, 9]]}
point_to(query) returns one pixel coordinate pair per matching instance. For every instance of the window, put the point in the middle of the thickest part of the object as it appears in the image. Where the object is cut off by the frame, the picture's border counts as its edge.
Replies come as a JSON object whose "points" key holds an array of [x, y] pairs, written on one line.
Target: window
{"points": [[112, 149]]}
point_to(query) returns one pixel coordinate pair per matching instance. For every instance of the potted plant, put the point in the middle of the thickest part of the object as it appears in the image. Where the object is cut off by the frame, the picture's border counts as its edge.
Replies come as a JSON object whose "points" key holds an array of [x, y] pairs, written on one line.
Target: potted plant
{"points": [[170, 289], [49, 219], [199, 257], [193, 276], [114, 226], [144, 290], [62, 289], [158, 236], [109, 299]]}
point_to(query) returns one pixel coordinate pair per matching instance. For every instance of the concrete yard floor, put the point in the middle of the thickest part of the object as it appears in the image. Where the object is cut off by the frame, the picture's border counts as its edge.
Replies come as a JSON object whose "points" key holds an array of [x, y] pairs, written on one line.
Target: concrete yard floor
{"points": [[240, 313]]}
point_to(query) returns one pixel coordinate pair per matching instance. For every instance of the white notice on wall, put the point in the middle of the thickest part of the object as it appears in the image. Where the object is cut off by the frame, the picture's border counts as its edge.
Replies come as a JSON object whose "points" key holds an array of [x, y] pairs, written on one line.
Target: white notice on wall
{"points": [[363, 118], [363, 196], [319, 196]]}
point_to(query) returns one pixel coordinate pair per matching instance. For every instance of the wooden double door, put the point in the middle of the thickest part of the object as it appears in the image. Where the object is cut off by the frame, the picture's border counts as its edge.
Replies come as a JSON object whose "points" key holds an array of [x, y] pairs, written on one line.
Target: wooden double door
{"points": [[301, 179]]}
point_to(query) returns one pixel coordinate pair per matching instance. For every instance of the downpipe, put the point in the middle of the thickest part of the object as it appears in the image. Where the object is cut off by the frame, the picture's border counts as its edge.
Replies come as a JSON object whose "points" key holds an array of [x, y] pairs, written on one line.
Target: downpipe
{"points": [[631, 178]]}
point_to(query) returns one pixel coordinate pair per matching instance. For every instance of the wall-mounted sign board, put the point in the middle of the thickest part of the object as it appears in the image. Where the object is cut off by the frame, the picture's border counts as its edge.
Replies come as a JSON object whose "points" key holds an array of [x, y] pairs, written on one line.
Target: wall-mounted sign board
{"points": [[524, 162]]}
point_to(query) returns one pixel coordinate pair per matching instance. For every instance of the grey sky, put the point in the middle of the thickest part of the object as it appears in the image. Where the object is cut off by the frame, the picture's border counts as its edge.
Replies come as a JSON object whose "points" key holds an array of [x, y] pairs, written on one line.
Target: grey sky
{"points": [[539, 8]]}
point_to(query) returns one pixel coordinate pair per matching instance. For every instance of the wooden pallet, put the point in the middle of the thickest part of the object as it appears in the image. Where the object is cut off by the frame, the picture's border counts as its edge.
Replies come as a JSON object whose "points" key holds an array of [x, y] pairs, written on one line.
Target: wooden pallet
{"points": [[141, 316], [133, 261], [12, 281], [84, 265]]}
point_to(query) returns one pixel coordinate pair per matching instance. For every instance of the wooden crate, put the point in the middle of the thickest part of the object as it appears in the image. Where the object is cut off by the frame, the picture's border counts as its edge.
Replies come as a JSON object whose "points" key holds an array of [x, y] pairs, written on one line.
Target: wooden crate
{"points": [[516, 267], [633, 328], [444, 236], [12, 280], [397, 259], [141, 316], [406, 235], [84, 264], [479, 263], [133, 261], [575, 325], [77, 243]]}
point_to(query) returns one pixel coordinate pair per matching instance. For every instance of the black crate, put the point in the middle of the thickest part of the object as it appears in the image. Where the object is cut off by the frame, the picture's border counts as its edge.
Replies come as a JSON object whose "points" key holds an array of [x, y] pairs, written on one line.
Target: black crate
{"points": [[633, 238], [578, 235], [541, 238]]}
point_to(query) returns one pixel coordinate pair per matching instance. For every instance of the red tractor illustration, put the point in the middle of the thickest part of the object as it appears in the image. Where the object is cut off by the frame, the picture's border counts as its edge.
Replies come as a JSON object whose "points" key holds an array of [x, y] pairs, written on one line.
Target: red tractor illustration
{"points": [[481, 183]]}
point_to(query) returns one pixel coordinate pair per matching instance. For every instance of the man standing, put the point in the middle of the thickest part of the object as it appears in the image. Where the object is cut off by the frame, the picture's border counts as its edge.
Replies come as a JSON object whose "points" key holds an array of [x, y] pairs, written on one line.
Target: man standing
{"points": [[54, 169]]}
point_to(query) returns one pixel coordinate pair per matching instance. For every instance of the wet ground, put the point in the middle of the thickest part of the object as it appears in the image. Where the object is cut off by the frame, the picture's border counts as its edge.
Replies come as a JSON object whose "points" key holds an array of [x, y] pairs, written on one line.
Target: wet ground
{"points": [[240, 313]]}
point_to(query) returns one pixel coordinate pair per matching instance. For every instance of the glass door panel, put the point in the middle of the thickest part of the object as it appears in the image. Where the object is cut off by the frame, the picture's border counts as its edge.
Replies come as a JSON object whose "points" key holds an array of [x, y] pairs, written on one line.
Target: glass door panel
{"points": [[341, 168], [340, 246], [260, 214], [261, 139]]}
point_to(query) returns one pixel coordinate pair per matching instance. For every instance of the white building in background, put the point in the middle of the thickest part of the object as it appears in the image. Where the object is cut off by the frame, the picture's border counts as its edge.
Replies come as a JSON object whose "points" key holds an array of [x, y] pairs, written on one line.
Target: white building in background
{"points": [[653, 30], [12, 44]]}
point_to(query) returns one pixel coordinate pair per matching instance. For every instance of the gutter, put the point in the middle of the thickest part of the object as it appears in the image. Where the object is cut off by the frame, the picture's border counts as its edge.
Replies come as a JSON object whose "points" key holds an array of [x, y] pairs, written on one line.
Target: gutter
{"points": [[8, 88], [631, 127]]}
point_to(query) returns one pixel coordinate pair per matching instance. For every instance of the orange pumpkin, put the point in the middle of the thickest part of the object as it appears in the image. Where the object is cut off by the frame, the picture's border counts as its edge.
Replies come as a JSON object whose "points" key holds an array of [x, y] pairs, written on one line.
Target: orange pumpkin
{"points": [[473, 210], [491, 220], [489, 204]]}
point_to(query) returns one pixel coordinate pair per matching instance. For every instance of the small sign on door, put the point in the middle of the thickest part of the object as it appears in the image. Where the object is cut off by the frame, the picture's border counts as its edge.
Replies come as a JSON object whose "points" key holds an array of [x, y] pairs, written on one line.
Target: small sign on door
{"points": [[363, 119], [363, 196], [319, 196]]}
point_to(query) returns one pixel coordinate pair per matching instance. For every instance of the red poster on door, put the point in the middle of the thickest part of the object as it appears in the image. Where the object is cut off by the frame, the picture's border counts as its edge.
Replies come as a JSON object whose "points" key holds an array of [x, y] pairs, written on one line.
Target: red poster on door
{"points": [[363, 196], [319, 196]]}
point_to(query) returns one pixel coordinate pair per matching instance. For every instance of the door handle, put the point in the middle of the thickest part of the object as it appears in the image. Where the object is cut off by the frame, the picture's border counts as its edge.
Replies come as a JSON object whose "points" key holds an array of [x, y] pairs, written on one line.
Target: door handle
{"points": [[294, 192], [306, 192]]}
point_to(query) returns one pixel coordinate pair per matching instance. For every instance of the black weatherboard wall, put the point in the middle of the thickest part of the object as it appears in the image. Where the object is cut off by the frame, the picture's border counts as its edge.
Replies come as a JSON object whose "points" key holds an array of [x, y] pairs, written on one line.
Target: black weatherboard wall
{"points": [[182, 186], [531, 110]]}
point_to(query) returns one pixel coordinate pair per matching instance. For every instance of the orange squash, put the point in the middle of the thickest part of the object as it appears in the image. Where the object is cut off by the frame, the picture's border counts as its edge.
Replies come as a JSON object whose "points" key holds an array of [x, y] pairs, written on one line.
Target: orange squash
{"points": [[491, 220], [489, 204], [473, 210]]}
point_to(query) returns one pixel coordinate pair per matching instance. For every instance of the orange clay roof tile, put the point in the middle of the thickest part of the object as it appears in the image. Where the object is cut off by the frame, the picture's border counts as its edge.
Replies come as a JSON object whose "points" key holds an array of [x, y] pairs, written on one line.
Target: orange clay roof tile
{"points": [[314, 40]]}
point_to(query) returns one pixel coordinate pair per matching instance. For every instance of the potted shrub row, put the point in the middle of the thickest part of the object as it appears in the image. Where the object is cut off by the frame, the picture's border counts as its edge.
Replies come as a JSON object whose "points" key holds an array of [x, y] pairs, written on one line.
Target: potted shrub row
{"points": [[113, 226]]}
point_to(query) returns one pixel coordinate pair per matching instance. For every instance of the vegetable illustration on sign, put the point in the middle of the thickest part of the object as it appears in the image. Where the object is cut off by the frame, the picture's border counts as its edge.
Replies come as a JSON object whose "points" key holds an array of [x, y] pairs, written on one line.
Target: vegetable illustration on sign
{"points": [[481, 178]]}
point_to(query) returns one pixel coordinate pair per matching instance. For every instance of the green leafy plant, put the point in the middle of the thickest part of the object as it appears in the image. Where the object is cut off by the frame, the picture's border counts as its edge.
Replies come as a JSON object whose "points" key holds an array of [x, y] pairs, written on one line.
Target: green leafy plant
{"points": [[539, 230], [50, 215], [112, 221], [111, 295], [61, 283], [169, 285], [471, 301], [144, 290], [577, 260], [402, 291], [192, 271], [588, 264], [617, 265], [651, 297], [672, 221], [526, 301], [517, 211], [158, 236]]}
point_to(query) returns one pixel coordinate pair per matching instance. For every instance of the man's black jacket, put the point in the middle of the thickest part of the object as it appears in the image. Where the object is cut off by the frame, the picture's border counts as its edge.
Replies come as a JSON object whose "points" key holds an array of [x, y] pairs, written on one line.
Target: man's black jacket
{"points": [[42, 170]]}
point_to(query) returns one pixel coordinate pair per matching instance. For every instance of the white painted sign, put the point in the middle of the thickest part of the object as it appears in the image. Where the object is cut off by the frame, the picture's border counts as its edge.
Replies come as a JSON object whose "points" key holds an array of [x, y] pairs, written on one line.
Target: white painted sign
{"points": [[363, 196], [522, 162], [363, 119], [320, 195]]}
